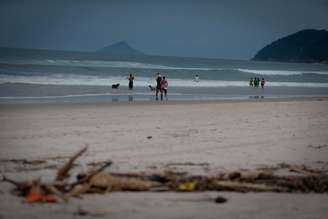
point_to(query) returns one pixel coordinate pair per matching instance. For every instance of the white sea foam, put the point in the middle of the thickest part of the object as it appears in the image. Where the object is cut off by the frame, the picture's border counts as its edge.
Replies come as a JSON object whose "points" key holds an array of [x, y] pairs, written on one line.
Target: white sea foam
{"points": [[74, 79], [278, 72], [94, 63]]}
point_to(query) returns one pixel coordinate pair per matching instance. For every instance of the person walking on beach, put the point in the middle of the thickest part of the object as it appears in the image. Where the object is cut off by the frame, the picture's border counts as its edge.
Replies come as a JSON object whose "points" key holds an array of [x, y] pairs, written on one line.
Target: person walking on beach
{"points": [[262, 82], [164, 86], [158, 85], [131, 78]]}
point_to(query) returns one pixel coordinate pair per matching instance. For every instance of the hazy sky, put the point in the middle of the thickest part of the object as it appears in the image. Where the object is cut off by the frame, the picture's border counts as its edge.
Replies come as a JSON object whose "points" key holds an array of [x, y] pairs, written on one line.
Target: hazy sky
{"points": [[232, 29]]}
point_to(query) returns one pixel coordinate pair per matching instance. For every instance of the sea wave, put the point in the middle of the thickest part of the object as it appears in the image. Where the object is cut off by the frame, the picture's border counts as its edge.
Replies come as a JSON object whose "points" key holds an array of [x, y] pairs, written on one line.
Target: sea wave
{"points": [[92, 80], [141, 65], [106, 64]]}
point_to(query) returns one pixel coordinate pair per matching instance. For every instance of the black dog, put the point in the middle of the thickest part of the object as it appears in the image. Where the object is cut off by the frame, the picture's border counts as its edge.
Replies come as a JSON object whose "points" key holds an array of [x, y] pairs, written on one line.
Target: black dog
{"points": [[115, 86], [151, 88]]}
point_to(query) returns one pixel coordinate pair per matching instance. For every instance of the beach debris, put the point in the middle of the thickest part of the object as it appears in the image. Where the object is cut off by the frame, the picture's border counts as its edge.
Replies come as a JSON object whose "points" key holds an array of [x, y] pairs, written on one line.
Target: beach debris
{"points": [[38, 194], [246, 187], [318, 146], [298, 168], [63, 172], [187, 164], [22, 165], [220, 200], [149, 137], [118, 183], [187, 186], [83, 212], [97, 180], [21, 187], [24, 161], [96, 163]]}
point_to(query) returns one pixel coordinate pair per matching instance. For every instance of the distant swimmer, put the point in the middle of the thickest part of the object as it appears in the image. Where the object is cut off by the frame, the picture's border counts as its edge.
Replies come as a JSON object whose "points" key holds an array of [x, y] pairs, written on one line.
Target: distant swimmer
{"points": [[196, 78]]}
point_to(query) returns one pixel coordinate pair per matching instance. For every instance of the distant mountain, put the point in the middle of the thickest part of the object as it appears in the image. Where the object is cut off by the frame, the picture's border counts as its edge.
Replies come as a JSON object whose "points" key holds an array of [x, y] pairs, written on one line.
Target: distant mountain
{"points": [[120, 48], [303, 46], [118, 51]]}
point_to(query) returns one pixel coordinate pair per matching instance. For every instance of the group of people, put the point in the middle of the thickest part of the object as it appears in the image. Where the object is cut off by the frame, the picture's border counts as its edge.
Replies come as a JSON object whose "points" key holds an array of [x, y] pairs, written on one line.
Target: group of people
{"points": [[256, 82], [161, 85]]}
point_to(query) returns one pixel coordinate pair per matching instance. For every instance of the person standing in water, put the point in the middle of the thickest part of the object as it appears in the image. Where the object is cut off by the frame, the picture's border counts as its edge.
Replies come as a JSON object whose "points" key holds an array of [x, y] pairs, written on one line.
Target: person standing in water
{"points": [[131, 78], [196, 78], [262, 82], [158, 85], [164, 86], [251, 82]]}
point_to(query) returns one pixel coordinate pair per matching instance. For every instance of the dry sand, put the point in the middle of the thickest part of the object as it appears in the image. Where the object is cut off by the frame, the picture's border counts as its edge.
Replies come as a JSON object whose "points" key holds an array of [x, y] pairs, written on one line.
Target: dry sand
{"points": [[223, 135]]}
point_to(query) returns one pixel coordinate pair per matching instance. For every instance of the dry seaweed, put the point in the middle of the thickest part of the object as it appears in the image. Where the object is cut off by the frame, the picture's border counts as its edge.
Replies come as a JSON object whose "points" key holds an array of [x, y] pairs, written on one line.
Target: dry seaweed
{"points": [[97, 180]]}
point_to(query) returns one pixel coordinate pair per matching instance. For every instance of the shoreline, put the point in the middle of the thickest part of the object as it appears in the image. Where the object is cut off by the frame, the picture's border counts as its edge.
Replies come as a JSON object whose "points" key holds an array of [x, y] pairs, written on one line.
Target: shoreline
{"points": [[24, 93], [173, 102]]}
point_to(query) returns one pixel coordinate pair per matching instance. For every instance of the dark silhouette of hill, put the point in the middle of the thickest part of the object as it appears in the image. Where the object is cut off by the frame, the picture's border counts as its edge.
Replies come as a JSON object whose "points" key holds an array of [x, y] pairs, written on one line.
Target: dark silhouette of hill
{"points": [[303, 46], [120, 48]]}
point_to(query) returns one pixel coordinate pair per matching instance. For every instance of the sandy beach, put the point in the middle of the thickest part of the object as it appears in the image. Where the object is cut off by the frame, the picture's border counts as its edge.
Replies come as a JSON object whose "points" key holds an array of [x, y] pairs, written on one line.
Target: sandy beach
{"points": [[152, 137]]}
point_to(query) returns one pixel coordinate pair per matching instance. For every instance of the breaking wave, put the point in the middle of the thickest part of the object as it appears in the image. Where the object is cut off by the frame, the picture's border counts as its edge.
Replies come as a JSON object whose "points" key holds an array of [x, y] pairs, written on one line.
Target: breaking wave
{"points": [[92, 80], [141, 65]]}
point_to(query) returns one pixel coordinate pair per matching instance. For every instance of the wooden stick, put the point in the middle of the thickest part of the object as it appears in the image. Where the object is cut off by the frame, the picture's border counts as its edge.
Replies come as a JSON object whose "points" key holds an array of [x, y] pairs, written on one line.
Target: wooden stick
{"points": [[246, 187], [90, 175], [63, 172], [22, 187]]}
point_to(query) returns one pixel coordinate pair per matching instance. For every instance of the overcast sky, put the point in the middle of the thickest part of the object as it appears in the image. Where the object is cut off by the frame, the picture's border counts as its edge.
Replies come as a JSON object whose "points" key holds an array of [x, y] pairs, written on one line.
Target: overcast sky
{"points": [[231, 29]]}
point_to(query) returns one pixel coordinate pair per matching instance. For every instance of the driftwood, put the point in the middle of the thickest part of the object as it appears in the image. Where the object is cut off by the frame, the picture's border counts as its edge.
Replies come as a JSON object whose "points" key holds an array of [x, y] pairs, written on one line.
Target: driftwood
{"points": [[63, 172], [22, 187], [97, 180], [299, 169], [92, 173], [77, 190], [246, 187], [113, 183]]}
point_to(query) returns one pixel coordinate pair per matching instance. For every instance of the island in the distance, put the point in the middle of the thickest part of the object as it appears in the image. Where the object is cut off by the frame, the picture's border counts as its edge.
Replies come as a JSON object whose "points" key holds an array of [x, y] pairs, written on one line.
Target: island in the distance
{"points": [[309, 46], [120, 48], [117, 50]]}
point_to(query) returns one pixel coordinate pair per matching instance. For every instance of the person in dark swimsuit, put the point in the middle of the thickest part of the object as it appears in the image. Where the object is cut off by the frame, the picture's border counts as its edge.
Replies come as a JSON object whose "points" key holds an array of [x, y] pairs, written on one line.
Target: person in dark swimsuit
{"points": [[262, 82], [131, 78], [251, 82], [158, 85]]}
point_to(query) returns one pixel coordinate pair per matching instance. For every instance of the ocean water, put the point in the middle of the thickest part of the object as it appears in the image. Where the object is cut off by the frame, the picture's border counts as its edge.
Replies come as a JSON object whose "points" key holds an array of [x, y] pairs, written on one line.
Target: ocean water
{"points": [[57, 80]]}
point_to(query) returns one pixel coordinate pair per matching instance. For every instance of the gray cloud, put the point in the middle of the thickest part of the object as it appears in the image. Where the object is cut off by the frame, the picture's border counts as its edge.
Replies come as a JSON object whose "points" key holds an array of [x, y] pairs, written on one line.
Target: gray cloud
{"points": [[209, 28]]}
